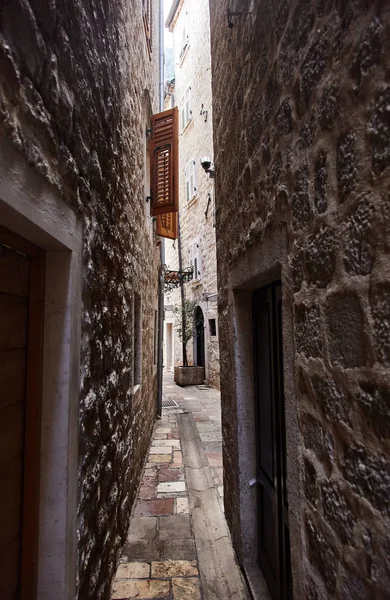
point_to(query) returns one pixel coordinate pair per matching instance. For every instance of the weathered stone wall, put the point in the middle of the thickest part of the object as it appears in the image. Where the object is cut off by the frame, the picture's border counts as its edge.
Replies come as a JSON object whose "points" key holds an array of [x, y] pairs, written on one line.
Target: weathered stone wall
{"points": [[301, 95], [196, 140], [73, 77]]}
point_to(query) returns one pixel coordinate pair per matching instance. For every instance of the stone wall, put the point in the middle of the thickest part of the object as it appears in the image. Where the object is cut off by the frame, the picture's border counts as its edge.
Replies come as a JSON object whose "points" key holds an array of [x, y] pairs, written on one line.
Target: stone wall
{"points": [[73, 77], [301, 95], [193, 69]]}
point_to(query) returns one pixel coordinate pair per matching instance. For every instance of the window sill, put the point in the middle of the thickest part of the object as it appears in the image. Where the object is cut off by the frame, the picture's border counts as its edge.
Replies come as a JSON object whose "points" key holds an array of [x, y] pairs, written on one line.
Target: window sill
{"points": [[187, 125], [183, 53], [193, 201], [195, 282]]}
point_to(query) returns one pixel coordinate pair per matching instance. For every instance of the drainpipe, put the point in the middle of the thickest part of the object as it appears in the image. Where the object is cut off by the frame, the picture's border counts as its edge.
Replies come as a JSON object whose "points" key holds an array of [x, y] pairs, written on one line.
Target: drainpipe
{"points": [[160, 339]]}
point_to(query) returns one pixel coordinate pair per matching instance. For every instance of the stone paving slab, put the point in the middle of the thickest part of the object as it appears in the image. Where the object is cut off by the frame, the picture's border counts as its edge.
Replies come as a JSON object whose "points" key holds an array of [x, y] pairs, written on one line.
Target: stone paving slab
{"points": [[160, 558]]}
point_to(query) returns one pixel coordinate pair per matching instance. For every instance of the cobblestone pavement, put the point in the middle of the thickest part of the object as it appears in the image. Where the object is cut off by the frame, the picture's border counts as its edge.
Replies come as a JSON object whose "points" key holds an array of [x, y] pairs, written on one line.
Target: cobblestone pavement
{"points": [[159, 558]]}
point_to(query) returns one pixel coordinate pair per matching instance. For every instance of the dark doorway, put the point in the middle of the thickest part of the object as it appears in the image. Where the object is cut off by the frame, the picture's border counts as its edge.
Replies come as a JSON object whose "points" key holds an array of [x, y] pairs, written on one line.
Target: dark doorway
{"points": [[273, 529], [22, 271], [199, 328]]}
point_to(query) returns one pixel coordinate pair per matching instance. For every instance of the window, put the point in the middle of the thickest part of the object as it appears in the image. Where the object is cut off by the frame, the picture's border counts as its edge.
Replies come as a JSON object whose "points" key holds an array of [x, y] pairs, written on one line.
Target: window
{"points": [[185, 111], [190, 174], [147, 19], [213, 327], [195, 260], [185, 42], [137, 340], [155, 336]]}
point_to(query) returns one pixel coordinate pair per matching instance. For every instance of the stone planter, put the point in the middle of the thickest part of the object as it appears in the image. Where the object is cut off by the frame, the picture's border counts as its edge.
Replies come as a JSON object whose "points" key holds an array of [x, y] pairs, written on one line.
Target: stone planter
{"points": [[189, 376]]}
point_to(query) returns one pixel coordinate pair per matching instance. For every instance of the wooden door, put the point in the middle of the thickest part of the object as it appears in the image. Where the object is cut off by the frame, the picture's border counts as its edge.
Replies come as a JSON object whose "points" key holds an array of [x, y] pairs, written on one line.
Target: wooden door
{"points": [[273, 533], [21, 311], [199, 326], [169, 346]]}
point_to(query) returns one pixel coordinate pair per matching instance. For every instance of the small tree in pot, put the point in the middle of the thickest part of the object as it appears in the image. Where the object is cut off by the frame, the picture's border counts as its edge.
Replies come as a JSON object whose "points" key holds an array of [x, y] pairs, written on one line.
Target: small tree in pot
{"points": [[185, 374]]}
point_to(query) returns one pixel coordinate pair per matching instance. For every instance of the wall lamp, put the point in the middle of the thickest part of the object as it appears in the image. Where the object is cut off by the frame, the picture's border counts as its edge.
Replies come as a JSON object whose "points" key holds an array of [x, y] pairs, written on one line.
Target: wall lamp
{"points": [[208, 166]]}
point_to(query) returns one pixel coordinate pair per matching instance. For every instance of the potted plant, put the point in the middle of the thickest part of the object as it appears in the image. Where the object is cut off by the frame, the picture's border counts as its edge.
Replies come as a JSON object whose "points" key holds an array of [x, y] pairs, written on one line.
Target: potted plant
{"points": [[186, 374]]}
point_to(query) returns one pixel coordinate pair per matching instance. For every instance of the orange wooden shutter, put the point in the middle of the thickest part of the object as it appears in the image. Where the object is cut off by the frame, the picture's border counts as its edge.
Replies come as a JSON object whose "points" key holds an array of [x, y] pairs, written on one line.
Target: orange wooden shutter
{"points": [[167, 225], [164, 163]]}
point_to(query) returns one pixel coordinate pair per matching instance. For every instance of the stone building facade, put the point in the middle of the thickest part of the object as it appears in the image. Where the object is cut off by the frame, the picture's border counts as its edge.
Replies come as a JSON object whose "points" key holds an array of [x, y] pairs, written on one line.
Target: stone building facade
{"points": [[189, 22], [301, 97], [77, 88]]}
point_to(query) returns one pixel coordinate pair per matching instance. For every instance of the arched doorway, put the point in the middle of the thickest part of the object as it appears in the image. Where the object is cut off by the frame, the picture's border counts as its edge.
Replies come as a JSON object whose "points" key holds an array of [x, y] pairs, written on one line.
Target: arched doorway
{"points": [[199, 341]]}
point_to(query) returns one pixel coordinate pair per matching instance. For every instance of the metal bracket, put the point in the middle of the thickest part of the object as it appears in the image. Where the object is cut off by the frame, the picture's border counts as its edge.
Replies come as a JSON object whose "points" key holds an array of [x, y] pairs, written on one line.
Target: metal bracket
{"points": [[252, 482], [231, 14]]}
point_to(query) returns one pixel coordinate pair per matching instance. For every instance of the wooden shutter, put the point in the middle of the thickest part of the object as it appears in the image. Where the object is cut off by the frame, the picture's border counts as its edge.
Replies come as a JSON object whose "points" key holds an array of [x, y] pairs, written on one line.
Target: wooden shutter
{"points": [[147, 19], [187, 110], [190, 178], [167, 225], [193, 178], [164, 163]]}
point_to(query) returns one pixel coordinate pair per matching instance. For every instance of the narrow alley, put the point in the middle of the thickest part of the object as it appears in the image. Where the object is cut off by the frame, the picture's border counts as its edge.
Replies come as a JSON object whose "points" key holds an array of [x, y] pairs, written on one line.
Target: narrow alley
{"points": [[194, 299], [178, 546]]}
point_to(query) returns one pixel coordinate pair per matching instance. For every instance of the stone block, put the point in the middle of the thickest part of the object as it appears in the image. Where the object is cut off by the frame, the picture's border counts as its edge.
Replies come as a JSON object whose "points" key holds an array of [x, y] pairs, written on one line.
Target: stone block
{"points": [[380, 307], [308, 336], [354, 587], [368, 474], [320, 182], [166, 473], [174, 528], [140, 588], [322, 553], [316, 438], [310, 483], [160, 506], [160, 458], [169, 487], [320, 257], [301, 209], [374, 403], [330, 398], [142, 540], [347, 164], [368, 52], [379, 131], [359, 240], [189, 376], [178, 549], [174, 568], [186, 589], [338, 511], [329, 105], [314, 64], [345, 330], [182, 506], [133, 570]]}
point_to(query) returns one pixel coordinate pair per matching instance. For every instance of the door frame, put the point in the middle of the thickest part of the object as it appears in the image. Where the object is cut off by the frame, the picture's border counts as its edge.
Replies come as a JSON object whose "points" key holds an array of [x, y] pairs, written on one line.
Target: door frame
{"points": [[33, 402], [31, 209], [265, 262], [269, 296]]}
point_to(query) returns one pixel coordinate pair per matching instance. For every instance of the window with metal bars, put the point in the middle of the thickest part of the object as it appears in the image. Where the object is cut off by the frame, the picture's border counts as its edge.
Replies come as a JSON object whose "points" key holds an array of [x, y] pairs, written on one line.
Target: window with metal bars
{"points": [[195, 260]]}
